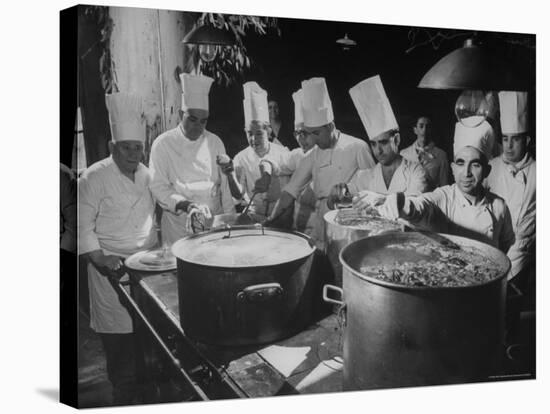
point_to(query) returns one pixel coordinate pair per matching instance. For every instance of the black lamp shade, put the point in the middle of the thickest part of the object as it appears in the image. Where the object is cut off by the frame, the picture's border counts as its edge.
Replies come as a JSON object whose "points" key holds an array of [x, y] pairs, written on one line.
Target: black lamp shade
{"points": [[470, 67]]}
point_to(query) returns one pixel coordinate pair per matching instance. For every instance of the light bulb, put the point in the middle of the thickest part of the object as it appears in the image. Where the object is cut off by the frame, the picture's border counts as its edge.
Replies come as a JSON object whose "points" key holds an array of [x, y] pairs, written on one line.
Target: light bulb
{"points": [[471, 108], [208, 52]]}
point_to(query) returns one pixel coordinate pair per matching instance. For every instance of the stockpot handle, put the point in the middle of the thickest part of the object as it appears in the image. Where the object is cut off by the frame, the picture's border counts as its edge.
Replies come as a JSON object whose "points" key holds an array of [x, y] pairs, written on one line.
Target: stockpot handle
{"points": [[260, 293], [337, 289]]}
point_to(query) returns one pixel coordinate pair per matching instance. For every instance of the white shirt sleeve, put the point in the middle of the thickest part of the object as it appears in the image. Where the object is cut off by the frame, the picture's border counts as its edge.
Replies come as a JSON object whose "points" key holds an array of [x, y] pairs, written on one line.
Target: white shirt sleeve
{"points": [[301, 177], [89, 196], [418, 181], [163, 191]]}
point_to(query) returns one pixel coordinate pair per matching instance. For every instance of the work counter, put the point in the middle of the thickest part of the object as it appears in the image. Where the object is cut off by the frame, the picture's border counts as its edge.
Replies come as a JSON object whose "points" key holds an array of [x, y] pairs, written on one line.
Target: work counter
{"points": [[309, 362]]}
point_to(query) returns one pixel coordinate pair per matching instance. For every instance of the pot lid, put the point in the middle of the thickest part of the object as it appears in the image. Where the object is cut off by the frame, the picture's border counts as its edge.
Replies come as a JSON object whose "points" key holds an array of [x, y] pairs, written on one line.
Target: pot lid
{"points": [[248, 246], [156, 260]]}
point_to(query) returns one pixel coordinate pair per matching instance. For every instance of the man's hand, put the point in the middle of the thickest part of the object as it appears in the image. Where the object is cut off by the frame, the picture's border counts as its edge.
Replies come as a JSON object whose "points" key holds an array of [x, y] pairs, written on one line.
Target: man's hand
{"points": [[225, 163], [196, 217], [262, 184], [108, 265], [368, 199], [338, 193]]}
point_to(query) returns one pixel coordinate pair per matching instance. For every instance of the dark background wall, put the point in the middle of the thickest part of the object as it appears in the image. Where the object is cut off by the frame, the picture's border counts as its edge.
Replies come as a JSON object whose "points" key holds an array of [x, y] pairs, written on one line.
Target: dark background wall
{"points": [[308, 48]]}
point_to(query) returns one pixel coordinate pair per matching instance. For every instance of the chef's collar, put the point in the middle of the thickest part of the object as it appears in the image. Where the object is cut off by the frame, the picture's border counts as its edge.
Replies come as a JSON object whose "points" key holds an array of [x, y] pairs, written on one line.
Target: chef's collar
{"points": [[520, 165], [117, 169], [185, 136], [464, 202]]}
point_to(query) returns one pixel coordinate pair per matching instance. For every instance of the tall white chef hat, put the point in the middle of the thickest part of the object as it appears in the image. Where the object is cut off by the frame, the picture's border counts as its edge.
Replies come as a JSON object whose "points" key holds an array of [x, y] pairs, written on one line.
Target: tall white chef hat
{"points": [[373, 106], [480, 137], [298, 98], [513, 112], [125, 117], [255, 103], [195, 91], [317, 107]]}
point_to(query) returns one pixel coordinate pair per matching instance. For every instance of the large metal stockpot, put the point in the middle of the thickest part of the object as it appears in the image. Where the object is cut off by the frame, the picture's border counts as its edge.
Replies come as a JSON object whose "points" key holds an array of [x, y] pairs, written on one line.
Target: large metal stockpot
{"points": [[398, 336], [245, 285], [338, 236]]}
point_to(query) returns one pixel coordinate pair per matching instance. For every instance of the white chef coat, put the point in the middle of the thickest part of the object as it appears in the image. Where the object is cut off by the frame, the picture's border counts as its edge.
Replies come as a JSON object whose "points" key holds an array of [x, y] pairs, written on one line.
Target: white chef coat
{"points": [[115, 215], [409, 178], [516, 184], [183, 169], [247, 170], [326, 168], [304, 205], [433, 160], [447, 210]]}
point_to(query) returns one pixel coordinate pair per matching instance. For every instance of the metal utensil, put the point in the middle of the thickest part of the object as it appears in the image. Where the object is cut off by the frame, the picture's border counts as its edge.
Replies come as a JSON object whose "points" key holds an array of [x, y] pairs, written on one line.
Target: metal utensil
{"points": [[249, 203], [244, 218]]}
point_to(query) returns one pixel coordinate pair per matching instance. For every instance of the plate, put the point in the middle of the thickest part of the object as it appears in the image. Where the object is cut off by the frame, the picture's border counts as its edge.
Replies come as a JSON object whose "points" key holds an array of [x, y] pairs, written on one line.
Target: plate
{"points": [[155, 260]]}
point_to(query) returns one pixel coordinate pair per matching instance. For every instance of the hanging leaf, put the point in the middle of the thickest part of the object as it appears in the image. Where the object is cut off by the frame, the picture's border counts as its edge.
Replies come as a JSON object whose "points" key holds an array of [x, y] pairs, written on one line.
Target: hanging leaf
{"points": [[231, 62]]}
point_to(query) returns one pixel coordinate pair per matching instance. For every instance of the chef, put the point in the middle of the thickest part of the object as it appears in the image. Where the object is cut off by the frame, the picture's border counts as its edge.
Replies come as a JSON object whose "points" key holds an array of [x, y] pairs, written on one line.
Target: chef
{"points": [[423, 151], [256, 175], [393, 173], [304, 205], [115, 220], [513, 177], [335, 159], [186, 180], [465, 208]]}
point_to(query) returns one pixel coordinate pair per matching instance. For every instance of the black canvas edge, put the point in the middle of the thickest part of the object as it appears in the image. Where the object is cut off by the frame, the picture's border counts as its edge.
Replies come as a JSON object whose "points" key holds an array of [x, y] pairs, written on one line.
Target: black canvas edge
{"points": [[68, 306]]}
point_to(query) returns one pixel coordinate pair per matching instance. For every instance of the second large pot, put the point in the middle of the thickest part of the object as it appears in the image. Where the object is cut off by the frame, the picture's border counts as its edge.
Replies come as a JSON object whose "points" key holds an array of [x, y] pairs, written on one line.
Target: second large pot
{"points": [[397, 336], [245, 285]]}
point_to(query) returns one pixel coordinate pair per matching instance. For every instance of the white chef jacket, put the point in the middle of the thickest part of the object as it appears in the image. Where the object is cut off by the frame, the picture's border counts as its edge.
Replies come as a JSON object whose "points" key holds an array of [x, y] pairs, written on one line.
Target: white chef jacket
{"points": [[447, 210], [304, 205], [409, 178], [247, 170], [326, 168], [516, 184], [433, 160], [115, 215], [183, 169]]}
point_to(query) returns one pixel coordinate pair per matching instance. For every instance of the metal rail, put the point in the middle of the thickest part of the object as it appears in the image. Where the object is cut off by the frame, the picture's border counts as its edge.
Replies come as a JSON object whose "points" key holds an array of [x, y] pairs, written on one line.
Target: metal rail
{"points": [[198, 390]]}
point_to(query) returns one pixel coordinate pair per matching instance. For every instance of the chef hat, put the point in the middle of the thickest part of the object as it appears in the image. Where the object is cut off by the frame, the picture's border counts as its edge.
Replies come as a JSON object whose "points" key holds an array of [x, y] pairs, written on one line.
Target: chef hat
{"points": [[125, 117], [317, 107], [513, 112], [195, 91], [373, 106], [298, 98], [255, 103], [480, 137]]}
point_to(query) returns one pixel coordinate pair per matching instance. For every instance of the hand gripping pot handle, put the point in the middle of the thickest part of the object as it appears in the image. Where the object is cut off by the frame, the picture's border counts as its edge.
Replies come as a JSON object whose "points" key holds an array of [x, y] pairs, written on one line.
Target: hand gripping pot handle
{"points": [[337, 289], [260, 293]]}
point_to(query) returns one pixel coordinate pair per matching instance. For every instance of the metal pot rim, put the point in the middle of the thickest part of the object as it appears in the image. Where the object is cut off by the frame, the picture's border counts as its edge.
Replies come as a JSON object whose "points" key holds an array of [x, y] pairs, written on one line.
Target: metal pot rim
{"points": [[256, 228], [398, 286]]}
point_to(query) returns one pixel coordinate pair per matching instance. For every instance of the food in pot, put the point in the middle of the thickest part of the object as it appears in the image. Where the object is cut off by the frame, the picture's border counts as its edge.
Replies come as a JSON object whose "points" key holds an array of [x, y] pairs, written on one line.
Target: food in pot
{"points": [[365, 219], [433, 265], [242, 249]]}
